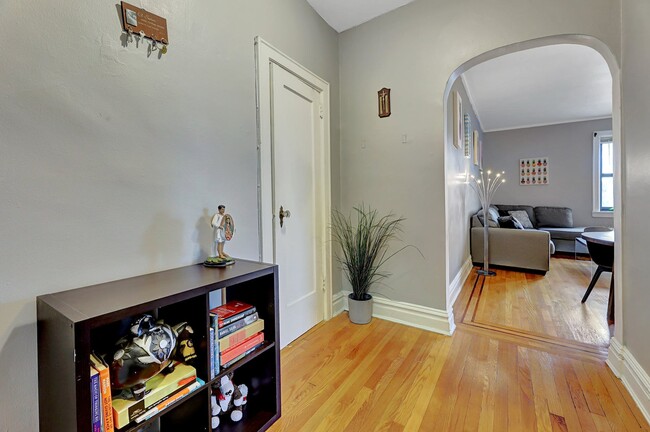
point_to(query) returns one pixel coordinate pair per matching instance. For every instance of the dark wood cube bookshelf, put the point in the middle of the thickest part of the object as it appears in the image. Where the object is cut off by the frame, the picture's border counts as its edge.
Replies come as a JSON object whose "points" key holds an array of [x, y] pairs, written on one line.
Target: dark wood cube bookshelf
{"points": [[74, 323]]}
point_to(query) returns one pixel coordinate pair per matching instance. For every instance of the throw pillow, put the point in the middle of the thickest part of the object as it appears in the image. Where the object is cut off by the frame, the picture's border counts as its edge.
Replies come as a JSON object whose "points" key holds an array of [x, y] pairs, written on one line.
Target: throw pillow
{"points": [[493, 214], [491, 223], [518, 224], [522, 217], [510, 222], [528, 209]]}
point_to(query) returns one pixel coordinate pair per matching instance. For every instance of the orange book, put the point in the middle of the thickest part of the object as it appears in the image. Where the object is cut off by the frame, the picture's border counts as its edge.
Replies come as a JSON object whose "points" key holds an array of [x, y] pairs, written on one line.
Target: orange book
{"points": [[240, 336], [105, 391], [244, 346]]}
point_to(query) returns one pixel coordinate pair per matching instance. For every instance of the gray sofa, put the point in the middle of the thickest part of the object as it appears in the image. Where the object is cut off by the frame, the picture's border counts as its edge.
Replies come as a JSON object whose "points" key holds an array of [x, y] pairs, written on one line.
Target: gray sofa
{"points": [[551, 229]]}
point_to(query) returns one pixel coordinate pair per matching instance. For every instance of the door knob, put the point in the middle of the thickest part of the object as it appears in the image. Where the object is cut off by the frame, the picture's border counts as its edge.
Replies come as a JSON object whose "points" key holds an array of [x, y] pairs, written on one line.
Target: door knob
{"points": [[283, 214]]}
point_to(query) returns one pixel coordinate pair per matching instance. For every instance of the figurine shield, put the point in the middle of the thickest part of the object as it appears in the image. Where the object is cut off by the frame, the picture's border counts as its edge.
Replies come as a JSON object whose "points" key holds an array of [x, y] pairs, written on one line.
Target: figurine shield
{"points": [[228, 227]]}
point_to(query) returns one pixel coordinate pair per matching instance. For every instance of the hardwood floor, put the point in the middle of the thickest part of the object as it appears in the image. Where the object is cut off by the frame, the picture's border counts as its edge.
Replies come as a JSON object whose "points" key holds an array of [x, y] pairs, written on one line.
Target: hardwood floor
{"points": [[389, 377], [546, 308]]}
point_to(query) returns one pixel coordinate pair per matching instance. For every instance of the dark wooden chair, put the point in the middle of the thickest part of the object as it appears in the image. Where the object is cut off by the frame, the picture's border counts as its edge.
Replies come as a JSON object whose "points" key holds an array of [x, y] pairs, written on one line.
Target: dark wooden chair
{"points": [[603, 256]]}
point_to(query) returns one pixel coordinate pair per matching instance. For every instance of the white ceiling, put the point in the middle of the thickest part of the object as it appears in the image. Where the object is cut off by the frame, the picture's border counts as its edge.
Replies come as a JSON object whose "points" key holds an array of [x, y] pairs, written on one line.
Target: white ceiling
{"points": [[540, 86], [344, 14]]}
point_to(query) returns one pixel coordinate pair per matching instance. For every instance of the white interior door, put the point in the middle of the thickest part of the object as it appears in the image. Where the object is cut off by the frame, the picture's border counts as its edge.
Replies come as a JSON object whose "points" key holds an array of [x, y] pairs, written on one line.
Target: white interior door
{"points": [[294, 172], [296, 130]]}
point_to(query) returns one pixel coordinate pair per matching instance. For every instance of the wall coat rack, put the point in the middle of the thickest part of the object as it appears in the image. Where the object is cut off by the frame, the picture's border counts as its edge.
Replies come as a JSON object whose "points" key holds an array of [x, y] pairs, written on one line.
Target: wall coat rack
{"points": [[146, 24]]}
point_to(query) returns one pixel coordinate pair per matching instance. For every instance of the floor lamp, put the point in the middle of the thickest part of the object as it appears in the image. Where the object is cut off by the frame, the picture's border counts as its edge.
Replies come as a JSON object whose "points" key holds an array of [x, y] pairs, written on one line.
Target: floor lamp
{"points": [[485, 188]]}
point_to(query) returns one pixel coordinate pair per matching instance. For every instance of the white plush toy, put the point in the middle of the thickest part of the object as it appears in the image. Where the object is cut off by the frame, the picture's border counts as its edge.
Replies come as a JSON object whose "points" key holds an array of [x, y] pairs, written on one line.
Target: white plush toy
{"points": [[226, 396]]}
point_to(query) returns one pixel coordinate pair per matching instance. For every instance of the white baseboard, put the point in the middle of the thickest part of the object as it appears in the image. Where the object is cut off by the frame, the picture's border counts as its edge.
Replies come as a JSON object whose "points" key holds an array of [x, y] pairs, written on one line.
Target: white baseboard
{"points": [[339, 303], [634, 378], [413, 315], [457, 284], [454, 290], [615, 358]]}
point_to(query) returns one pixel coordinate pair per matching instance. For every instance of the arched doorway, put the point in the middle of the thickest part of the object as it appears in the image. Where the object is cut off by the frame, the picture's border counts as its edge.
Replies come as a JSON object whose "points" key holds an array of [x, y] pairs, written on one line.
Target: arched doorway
{"points": [[456, 276]]}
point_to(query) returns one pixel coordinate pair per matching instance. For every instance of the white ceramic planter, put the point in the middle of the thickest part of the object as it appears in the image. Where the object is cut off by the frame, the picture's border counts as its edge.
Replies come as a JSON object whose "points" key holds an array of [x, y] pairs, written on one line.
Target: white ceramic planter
{"points": [[360, 311]]}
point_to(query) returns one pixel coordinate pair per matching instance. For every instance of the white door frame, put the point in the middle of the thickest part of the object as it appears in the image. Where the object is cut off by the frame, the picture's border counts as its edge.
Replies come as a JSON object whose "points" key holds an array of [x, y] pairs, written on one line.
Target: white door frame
{"points": [[265, 56], [619, 150]]}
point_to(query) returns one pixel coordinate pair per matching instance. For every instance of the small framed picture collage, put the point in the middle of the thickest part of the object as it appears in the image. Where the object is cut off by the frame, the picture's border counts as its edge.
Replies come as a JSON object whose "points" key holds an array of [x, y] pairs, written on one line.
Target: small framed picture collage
{"points": [[465, 136], [533, 171]]}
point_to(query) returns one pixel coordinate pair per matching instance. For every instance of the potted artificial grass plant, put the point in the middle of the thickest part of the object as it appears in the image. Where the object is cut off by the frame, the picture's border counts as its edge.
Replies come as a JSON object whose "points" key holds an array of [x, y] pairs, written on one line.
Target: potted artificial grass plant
{"points": [[363, 242]]}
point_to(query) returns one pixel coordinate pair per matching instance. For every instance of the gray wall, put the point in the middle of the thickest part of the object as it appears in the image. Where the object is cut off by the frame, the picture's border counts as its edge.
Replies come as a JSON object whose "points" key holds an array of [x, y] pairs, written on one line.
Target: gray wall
{"points": [[112, 161], [569, 148], [636, 157], [462, 201], [414, 51]]}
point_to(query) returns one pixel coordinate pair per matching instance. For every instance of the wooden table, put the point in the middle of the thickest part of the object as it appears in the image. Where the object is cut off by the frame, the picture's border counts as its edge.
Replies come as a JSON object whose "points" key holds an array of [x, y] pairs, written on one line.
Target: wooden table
{"points": [[605, 238]]}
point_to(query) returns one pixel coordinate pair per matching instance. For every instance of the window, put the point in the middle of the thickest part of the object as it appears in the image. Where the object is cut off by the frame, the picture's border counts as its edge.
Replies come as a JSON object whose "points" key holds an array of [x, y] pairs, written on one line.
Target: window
{"points": [[603, 174]]}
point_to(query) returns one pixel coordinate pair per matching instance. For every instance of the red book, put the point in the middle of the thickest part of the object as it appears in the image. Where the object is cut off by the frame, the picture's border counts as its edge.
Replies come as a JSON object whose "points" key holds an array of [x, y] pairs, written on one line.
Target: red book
{"points": [[232, 311], [247, 344]]}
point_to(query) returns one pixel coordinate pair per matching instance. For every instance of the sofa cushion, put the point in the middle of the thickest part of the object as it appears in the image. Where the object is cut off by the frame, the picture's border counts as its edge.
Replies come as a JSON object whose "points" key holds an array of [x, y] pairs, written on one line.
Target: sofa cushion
{"points": [[559, 217], [476, 223], [493, 214], [491, 222], [522, 217], [510, 222], [493, 217], [564, 233], [504, 209]]}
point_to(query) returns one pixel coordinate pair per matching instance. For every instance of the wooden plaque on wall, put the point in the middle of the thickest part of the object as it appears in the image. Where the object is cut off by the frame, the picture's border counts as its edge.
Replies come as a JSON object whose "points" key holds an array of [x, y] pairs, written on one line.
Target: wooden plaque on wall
{"points": [[384, 102], [139, 20]]}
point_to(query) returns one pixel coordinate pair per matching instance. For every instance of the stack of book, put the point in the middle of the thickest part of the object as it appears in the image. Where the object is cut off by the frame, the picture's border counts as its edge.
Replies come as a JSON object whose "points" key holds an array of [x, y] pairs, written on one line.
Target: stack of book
{"points": [[100, 392], [235, 331], [162, 390], [109, 413]]}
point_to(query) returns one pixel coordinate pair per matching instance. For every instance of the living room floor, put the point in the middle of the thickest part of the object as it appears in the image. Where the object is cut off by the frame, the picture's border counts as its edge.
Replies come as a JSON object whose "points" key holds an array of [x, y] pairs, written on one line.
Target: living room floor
{"points": [[546, 308]]}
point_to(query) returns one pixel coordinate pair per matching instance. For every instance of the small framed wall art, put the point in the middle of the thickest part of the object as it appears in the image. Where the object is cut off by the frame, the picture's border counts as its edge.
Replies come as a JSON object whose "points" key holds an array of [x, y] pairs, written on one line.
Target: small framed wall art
{"points": [[458, 121], [384, 102], [468, 136], [475, 149], [534, 171]]}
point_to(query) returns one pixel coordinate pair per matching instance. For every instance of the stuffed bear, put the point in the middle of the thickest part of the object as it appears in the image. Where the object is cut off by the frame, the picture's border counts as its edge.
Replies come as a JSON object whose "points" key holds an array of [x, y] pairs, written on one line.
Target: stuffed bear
{"points": [[226, 397]]}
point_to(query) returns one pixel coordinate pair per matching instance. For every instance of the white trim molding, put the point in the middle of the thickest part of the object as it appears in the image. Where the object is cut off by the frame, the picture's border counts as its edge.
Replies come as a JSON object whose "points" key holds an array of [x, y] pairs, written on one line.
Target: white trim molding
{"points": [[339, 303], [409, 314], [266, 58], [615, 356], [634, 378], [457, 284], [596, 156], [602, 214]]}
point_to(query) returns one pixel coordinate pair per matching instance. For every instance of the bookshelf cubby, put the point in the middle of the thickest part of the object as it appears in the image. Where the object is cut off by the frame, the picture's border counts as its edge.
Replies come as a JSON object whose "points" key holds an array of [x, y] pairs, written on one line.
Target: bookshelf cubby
{"points": [[74, 323]]}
